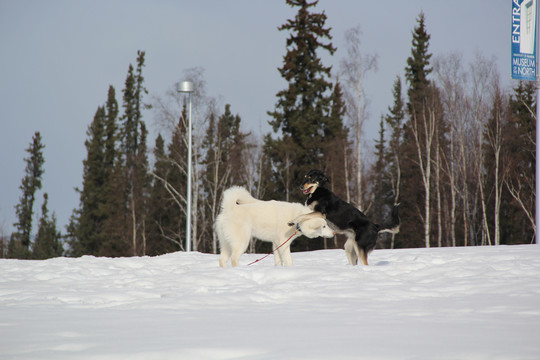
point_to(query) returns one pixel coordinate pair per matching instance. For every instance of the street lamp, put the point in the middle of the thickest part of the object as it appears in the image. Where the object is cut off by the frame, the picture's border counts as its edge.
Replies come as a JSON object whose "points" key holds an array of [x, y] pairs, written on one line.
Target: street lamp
{"points": [[187, 87]]}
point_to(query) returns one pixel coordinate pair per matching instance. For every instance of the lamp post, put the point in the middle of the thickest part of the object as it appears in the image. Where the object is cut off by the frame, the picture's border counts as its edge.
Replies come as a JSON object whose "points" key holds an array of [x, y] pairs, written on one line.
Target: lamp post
{"points": [[187, 87]]}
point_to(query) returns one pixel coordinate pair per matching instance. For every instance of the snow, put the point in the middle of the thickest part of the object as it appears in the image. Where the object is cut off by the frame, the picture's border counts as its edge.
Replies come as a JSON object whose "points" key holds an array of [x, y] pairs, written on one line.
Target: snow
{"points": [[450, 303]]}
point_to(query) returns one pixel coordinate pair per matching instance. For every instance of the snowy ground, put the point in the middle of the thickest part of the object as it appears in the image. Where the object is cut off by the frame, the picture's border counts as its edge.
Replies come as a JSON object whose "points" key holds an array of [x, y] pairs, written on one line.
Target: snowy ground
{"points": [[452, 303]]}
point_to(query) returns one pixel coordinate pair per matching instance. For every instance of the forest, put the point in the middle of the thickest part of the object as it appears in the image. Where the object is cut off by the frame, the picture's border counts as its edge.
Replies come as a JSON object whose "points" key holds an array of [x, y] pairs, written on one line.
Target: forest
{"points": [[455, 149]]}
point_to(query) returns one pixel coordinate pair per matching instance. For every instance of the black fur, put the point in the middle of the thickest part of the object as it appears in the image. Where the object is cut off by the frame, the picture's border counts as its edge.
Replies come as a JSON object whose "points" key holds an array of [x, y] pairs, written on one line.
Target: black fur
{"points": [[343, 215]]}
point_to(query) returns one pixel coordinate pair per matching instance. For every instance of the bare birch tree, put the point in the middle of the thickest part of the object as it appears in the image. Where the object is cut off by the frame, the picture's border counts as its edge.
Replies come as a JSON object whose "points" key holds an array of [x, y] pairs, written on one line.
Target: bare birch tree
{"points": [[354, 69], [482, 71], [494, 139], [451, 80], [423, 130]]}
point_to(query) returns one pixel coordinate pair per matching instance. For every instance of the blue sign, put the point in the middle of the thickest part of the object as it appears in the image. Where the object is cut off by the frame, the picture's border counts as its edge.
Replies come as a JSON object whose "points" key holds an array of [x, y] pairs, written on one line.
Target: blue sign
{"points": [[524, 39]]}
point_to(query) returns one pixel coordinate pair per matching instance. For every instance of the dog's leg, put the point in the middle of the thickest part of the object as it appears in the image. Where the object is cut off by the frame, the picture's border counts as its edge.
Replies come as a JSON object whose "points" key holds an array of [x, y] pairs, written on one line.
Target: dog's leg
{"points": [[286, 257], [277, 254], [240, 246], [363, 256], [235, 258], [224, 248], [224, 257], [351, 250]]}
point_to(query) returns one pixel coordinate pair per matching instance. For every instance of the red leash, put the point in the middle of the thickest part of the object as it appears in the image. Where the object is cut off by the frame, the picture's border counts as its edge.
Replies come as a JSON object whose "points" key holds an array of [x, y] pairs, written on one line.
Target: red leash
{"points": [[267, 255]]}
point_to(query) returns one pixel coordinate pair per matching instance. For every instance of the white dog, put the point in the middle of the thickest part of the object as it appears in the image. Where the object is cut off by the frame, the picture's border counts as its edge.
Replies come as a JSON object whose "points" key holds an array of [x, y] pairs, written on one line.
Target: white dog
{"points": [[242, 216]]}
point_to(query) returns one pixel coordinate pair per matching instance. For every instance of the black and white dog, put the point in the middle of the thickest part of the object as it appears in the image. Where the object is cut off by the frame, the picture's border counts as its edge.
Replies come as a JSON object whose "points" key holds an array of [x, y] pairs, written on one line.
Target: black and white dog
{"points": [[344, 218]]}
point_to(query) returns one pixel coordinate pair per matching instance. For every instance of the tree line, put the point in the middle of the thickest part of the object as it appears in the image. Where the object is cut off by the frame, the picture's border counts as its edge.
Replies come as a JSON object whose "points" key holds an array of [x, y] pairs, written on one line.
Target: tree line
{"points": [[455, 149]]}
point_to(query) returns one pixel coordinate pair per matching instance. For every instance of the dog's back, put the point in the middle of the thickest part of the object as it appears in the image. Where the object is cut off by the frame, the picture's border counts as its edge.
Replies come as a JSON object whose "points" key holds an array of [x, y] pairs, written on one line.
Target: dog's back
{"points": [[339, 212]]}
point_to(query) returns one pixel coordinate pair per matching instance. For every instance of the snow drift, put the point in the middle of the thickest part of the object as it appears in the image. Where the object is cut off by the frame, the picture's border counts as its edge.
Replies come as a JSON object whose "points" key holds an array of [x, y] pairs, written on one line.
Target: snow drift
{"points": [[450, 303]]}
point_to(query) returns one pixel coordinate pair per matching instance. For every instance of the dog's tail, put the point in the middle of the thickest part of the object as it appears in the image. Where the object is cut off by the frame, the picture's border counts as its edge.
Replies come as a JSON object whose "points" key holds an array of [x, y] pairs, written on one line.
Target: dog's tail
{"points": [[233, 196], [393, 226]]}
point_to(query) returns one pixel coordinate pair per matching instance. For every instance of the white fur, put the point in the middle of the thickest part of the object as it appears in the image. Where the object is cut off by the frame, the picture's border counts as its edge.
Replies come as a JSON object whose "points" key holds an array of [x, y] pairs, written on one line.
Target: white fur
{"points": [[243, 216]]}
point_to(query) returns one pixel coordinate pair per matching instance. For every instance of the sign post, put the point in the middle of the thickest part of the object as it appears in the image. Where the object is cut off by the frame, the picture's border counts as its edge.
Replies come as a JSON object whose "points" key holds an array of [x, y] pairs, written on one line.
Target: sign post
{"points": [[524, 60]]}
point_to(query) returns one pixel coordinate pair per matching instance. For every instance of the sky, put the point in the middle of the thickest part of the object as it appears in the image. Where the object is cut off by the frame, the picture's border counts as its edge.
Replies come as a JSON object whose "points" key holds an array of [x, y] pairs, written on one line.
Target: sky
{"points": [[58, 58]]}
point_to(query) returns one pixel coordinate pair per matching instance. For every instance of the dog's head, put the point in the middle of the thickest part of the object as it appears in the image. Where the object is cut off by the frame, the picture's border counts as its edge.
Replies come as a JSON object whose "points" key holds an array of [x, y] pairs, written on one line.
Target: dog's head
{"points": [[312, 180], [315, 227]]}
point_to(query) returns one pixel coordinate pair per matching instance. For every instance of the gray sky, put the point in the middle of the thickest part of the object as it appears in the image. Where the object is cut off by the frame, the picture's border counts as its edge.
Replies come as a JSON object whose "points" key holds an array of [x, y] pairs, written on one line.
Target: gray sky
{"points": [[58, 58]]}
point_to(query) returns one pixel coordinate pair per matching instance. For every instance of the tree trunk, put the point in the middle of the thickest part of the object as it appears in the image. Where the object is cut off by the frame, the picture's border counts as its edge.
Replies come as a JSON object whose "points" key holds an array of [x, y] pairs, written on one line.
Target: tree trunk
{"points": [[423, 147]]}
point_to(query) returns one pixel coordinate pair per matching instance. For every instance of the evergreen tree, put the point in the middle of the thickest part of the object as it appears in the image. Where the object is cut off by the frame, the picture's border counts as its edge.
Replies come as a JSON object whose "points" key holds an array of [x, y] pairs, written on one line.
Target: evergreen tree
{"points": [[336, 145], [381, 187], [111, 131], [418, 69], [87, 226], [131, 172], [394, 158], [232, 142], [224, 164], [48, 239], [89, 229], [302, 121], [520, 168], [19, 246], [111, 219], [395, 121], [176, 180], [168, 197], [4, 244], [423, 142], [163, 212]]}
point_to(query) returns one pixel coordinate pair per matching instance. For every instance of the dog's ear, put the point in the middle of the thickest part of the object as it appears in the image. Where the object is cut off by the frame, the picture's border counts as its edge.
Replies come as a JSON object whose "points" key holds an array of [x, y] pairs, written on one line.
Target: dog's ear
{"points": [[311, 173], [322, 178], [317, 175], [325, 179]]}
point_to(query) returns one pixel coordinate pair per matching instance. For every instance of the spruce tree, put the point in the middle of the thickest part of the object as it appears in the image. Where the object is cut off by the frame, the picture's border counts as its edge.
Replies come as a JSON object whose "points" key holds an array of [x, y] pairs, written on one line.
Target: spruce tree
{"points": [[232, 141], [381, 187], [86, 230], [523, 109], [19, 246], [518, 214], [418, 69], [395, 122], [336, 145], [302, 121], [162, 212], [215, 175], [224, 165], [111, 218], [132, 169], [89, 233], [111, 131], [48, 239], [418, 143], [176, 183]]}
